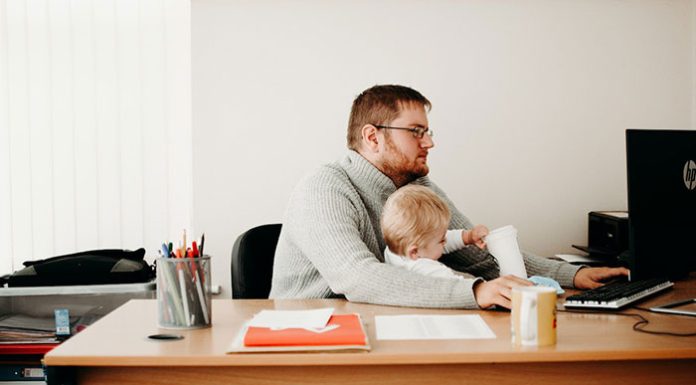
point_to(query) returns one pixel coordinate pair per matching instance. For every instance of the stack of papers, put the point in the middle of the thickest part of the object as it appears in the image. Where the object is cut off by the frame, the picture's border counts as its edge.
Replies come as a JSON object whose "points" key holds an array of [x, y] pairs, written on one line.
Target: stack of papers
{"points": [[304, 330], [283, 319], [22, 329]]}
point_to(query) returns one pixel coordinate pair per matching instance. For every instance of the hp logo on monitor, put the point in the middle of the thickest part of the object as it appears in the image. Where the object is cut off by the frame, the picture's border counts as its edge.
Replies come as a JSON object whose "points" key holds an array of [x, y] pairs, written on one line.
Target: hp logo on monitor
{"points": [[690, 174]]}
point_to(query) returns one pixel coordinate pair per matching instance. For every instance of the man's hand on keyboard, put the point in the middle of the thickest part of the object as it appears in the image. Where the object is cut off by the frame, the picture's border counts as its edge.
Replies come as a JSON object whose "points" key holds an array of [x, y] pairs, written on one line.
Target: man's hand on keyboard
{"points": [[593, 277]]}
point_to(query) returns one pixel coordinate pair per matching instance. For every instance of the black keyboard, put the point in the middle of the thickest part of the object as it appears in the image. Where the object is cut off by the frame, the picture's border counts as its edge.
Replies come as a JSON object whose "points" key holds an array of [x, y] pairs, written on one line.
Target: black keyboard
{"points": [[617, 294]]}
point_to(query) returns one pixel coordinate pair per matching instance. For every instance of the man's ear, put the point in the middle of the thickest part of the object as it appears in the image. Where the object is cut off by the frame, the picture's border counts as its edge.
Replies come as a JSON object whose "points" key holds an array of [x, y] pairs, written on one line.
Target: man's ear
{"points": [[370, 138], [412, 252]]}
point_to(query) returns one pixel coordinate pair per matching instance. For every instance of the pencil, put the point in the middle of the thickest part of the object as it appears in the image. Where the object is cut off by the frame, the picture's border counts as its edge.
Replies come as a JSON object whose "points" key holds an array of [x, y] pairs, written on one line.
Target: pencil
{"points": [[201, 298], [182, 285]]}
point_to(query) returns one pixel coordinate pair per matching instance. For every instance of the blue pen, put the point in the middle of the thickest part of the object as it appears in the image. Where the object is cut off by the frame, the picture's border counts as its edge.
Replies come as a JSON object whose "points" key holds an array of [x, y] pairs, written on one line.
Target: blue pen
{"points": [[165, 250]]}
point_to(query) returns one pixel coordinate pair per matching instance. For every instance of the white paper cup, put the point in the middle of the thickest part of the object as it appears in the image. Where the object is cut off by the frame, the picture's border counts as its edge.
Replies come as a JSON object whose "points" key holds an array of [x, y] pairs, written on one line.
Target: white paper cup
{"points": [[502, 244]]}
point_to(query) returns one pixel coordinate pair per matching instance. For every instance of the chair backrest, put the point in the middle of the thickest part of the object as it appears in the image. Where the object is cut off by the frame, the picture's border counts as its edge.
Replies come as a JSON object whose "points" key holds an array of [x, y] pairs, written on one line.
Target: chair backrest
{"points": [[252, 262]]}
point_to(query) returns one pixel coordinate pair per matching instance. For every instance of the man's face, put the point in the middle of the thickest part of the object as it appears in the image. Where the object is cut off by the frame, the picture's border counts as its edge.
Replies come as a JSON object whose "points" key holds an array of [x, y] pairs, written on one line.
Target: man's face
{"points": [[404, 156]]}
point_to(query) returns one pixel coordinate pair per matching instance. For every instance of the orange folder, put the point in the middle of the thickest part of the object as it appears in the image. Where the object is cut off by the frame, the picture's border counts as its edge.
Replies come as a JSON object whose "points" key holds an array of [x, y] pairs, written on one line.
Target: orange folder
{"points": [[349, 332]]}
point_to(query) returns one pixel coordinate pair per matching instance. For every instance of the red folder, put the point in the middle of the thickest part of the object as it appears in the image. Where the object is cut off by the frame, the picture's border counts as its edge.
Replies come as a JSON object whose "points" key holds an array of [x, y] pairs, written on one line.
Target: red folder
{"points": [[26, 349], [349, 332]]}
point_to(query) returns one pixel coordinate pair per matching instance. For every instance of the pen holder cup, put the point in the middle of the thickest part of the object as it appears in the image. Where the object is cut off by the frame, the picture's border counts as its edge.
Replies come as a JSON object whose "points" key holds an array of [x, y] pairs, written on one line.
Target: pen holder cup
{"points": [[183, 293]]}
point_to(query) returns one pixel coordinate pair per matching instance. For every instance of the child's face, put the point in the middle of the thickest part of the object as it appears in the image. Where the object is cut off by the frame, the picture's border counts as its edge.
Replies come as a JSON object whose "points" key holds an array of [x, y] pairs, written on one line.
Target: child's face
{"points": [[433, 247]]}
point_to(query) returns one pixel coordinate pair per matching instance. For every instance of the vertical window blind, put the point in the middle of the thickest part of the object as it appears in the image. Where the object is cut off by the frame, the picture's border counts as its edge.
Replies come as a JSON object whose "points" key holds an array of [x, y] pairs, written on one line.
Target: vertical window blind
{"points": [[95, 126]]}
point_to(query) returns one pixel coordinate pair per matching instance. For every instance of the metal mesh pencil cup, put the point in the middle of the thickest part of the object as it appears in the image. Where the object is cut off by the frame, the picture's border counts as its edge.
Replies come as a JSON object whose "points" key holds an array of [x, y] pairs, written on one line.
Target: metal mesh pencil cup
{"points": [[184, 293]]}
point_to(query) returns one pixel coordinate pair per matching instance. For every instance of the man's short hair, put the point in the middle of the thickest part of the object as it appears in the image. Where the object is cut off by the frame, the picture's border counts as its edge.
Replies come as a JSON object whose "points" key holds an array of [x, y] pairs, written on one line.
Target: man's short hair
{"points": [[379, 104], [411, 215]]}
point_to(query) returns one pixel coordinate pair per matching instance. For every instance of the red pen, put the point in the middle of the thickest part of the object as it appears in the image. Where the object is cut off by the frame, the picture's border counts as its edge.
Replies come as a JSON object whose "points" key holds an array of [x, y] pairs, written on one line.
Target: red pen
{"points": [[195, 249], [194, 269]]}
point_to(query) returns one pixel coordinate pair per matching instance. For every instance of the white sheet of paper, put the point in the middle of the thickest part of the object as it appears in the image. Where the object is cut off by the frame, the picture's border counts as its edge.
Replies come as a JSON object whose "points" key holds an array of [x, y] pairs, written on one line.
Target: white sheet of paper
{"points": [[282, 319], [574, 258], [432, 327], [616, 214]]}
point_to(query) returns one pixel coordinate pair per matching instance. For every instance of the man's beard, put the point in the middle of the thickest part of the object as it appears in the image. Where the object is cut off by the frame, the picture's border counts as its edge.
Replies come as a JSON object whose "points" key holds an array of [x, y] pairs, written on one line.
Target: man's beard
{"points": [[399, 168]]}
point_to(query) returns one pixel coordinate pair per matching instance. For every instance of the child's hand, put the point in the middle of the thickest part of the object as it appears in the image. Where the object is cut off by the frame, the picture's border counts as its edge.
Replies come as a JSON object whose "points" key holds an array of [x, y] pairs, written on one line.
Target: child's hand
{"points": [[475, 236]]}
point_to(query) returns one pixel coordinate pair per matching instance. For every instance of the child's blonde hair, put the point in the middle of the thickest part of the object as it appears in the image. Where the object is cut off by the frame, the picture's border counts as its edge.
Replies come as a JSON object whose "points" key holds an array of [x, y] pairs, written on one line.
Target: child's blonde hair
{"points": [[411, 215]]}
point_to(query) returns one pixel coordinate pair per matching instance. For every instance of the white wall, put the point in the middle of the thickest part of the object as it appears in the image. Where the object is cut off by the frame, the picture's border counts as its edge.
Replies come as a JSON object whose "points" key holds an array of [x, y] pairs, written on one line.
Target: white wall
{"points": [[530, 101]]}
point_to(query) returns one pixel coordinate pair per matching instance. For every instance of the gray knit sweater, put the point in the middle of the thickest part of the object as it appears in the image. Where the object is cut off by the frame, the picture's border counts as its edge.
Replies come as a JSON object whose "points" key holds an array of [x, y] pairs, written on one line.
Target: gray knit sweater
{"points": [[331, 245]]}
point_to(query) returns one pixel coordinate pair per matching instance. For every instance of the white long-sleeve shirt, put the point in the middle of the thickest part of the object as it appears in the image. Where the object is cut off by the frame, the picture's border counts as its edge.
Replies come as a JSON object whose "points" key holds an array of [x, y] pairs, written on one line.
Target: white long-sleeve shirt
{"points": [[426, 266]]}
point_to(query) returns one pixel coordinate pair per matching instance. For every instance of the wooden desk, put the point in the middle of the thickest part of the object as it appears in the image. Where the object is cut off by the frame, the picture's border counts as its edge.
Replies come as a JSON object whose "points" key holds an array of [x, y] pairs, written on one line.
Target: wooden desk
{"points": [[598, 348]]}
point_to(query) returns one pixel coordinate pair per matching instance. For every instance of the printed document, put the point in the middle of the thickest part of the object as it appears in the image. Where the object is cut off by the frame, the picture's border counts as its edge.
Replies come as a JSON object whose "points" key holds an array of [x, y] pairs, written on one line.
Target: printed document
{"points": [[432, 327]]}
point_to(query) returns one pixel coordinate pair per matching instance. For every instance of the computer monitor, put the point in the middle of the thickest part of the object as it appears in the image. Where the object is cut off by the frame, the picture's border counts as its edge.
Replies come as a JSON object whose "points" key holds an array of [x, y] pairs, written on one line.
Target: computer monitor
{"points": [[661, 167]]}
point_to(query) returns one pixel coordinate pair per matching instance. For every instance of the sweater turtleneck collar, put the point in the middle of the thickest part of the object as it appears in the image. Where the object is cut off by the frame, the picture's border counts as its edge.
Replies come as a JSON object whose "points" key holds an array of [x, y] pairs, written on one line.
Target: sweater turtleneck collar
{"points": [[365, 175]]}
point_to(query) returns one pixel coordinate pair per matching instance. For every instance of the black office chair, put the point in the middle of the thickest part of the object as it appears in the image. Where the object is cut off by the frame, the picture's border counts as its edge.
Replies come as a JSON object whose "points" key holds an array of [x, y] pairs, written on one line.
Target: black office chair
{"points": [[252, 262]]}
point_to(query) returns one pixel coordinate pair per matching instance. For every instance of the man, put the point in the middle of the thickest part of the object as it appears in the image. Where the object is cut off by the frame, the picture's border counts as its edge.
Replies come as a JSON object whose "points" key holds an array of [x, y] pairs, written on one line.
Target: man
{"points": [[331, 243]]}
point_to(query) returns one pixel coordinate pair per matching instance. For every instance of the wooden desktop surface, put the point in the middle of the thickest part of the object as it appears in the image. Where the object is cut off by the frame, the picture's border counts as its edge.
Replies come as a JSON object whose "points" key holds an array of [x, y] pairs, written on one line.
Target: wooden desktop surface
{"points": [[595, 346]]}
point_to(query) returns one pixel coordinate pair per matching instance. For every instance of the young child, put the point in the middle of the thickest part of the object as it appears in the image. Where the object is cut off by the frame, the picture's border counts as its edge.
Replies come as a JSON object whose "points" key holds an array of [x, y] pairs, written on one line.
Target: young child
{"points": [[414, 225]]}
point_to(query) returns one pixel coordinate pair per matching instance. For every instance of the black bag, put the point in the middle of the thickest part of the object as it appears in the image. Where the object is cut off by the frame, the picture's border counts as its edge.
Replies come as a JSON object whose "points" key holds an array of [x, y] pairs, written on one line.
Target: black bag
{"points": [[95, 267]]}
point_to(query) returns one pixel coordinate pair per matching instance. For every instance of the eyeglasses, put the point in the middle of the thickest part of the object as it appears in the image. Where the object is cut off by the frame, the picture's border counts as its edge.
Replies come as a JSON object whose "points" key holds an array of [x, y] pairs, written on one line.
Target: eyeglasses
{"points": [[418, 132]]}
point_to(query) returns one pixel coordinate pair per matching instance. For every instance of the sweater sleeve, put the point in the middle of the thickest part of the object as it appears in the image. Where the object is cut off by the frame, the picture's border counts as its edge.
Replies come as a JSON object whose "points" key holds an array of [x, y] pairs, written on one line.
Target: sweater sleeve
{"points": [[562, 272], [326, 222]]}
